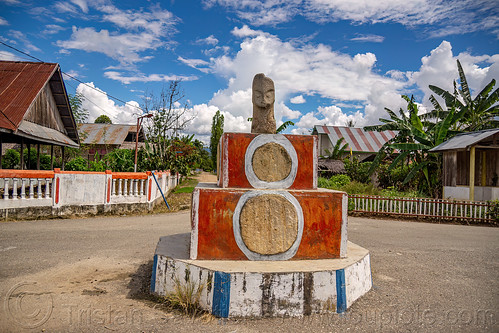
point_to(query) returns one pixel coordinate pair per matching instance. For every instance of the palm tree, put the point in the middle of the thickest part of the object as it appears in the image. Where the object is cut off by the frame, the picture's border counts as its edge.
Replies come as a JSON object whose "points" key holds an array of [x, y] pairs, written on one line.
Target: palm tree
{"points": [[474, 114]]}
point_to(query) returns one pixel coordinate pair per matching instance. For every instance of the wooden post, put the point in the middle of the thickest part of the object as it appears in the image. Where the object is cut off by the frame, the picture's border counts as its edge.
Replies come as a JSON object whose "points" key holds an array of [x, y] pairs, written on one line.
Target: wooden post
{"points": [[472, 173], [22, 153], [51, 157], [29, 155], [63, 158], [37, 156], [484, 168]]}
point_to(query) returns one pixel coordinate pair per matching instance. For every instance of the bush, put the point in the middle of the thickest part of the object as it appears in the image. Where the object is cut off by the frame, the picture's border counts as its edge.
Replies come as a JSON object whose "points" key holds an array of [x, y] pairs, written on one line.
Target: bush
{"points": [[77, 164], [121, 160], [358, 171], [11, 159], [336, 182]]}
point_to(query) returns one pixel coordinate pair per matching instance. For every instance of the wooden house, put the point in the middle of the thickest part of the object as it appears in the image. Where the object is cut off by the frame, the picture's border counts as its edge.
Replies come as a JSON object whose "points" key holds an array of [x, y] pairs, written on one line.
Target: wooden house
{"points": [[471, 165], [34, 106]]}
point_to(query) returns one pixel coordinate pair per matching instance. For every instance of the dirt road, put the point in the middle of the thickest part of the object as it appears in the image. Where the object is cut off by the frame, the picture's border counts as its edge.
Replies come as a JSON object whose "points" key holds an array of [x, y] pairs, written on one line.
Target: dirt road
{"points": [[92, 275]]}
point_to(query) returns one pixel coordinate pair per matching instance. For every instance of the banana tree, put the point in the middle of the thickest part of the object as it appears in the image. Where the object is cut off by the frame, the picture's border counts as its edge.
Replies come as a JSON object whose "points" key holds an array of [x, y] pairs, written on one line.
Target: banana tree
{"points": [[476, 113]]}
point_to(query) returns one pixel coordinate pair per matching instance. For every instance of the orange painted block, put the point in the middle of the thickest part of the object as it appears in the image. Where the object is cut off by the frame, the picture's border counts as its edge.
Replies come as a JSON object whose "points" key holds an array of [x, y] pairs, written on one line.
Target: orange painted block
{"points": [[300, 224], [237, 151]]}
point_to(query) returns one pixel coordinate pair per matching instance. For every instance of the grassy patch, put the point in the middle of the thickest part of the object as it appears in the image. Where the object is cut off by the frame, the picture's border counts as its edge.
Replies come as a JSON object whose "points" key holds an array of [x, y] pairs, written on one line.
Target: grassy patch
{"points": [[184, 189]]}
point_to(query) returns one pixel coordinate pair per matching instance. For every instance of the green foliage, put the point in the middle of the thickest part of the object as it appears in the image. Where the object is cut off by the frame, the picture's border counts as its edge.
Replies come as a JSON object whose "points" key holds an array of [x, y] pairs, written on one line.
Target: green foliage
{"points": [[11, 159], [44, 159], [494, 210], [77, 164], [188, 189], [119, 160], [336, 182], [217, 129], [103, 119], [284, 125], [338, 150], [79, 113], [473, 114], [358, 171], [356, 187]]}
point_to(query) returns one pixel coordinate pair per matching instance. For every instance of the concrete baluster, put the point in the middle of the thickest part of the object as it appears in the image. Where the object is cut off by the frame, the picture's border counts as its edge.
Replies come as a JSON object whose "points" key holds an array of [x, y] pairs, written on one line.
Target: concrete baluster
{"points": [[47, 187], [14, 188], [23, 188], [6, 189], [39, 189]]}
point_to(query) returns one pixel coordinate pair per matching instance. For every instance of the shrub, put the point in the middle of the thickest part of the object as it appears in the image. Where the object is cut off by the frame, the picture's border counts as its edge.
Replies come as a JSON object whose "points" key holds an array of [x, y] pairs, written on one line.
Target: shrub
{"points": [[358, 171], [77, 164], [11, 159], [120, 160], [336, 182]]}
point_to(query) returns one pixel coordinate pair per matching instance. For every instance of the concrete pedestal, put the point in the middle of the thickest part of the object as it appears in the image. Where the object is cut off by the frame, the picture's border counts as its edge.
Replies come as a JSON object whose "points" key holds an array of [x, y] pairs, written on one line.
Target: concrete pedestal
{"points": [[234, 288]]}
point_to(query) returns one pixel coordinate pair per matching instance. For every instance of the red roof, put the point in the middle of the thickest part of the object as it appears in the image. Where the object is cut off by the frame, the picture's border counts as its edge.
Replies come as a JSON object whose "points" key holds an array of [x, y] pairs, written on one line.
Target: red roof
{"points": [[20, 83]]}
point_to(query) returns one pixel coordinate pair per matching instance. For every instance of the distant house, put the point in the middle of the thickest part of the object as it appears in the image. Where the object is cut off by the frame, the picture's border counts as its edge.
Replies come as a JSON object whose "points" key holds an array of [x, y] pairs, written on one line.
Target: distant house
{"points": [[34, 106], [104, 138], [471, 165], [363, 144]]}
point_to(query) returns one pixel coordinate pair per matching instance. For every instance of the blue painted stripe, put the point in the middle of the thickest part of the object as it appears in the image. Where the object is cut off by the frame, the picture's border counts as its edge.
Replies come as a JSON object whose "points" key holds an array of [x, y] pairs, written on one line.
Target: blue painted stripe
{"points": [[221, 295], [153, 276], [341, 292]]}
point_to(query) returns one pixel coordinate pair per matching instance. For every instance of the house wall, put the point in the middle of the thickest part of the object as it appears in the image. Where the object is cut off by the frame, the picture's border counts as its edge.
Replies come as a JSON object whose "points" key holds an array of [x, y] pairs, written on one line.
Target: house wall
{"points": [[43, 111], [456, 168], [482, 193]]}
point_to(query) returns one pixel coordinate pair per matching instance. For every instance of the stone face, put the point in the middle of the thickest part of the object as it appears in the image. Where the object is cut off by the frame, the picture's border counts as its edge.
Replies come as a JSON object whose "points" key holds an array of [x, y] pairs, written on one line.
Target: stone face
{"points": [[263, 98], [271, 162], [269, 224]]}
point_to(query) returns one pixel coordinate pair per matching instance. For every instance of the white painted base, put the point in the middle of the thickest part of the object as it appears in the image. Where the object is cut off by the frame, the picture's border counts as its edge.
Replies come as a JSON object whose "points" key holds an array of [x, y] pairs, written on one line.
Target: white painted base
{"points": [[263, 288]]}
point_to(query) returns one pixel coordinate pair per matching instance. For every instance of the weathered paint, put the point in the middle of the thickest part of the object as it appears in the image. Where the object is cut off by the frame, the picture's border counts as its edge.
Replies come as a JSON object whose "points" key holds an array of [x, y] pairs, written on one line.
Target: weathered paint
{"points": [[221, 295], [212, 223], [265, 290], [235, 145]]}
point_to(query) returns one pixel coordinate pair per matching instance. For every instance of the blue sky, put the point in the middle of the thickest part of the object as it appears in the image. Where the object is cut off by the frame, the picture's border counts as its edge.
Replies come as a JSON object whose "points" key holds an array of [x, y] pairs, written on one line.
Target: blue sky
{"points": [[331, 60]]}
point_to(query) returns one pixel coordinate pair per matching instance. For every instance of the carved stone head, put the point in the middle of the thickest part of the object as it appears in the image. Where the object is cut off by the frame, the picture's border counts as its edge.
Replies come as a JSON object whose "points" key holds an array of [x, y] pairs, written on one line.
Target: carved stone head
{"points": [[263, 105]]}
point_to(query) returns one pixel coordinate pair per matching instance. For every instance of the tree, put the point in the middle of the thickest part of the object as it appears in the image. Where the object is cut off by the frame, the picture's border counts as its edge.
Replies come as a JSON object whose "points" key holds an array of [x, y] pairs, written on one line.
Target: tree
{"points": [[103, 119], [170, 116], [414, 140], [217, 129], [338, 150], [284, 125], [80, 114], [474, 114]]}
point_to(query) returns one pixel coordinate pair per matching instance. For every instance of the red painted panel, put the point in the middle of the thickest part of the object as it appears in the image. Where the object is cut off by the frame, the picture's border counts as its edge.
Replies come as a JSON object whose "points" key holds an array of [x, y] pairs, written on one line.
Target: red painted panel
{"points": [[322, 214], [237, 143]]}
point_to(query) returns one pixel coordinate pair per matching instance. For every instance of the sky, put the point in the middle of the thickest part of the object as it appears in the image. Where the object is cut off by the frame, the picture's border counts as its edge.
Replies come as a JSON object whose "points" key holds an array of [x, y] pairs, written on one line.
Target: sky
{"points": [[331, 60]]}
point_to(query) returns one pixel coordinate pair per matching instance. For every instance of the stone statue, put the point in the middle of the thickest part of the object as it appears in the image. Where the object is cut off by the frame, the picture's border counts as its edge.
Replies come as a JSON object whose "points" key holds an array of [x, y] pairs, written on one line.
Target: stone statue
{"points": [[263, 105]]}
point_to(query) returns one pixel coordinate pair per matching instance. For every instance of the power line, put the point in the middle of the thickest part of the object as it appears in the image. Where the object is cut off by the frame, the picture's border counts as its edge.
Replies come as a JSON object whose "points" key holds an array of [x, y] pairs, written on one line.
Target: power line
{"points": [[74, 78]]}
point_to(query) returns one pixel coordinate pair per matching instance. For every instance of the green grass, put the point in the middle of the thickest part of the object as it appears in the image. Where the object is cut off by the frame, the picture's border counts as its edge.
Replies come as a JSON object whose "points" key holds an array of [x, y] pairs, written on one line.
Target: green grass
{"points": [[184, 189]]}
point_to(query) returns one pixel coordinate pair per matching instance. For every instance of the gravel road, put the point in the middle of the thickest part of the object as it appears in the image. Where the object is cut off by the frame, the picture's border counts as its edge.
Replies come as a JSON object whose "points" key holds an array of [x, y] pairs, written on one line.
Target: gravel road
{"points": [[90, 275]]}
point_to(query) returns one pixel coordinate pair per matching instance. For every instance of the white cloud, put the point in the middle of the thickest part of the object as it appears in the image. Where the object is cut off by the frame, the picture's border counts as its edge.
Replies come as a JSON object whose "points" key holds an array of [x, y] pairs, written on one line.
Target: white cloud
{"points": [[440, 69], [97, 103], [22, 37], [82, 4], [368, 38], [298, 100], [51, 29], [309, 69], [3, 21], [448, 17], [146, 78], [198, 64], [145, 30], [125, 47], [210, 40], [72, 73], [7, 56]]}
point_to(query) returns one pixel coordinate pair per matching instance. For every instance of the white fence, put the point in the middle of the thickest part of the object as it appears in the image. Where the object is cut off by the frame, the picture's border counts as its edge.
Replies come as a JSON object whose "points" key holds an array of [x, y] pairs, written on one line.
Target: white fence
{"points": [[468, 211], [30, 188]]}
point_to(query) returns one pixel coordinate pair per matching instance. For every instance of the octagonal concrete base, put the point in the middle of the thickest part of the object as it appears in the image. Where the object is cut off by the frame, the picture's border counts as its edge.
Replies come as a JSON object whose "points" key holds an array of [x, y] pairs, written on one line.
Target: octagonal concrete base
{"points": [[231, 288]]}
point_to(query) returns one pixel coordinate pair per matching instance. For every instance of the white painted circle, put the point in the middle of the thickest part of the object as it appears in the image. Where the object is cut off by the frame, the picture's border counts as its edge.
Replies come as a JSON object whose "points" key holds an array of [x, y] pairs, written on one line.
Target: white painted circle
{"points": [[237, 226], [256, 143]]}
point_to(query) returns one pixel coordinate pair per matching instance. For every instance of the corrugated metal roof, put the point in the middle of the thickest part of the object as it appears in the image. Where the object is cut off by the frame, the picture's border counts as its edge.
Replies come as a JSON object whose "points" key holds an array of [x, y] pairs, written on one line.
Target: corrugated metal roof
{"points": [[106, 134], [20, 84], [41, 133], [356, 137], [466, 140]]}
